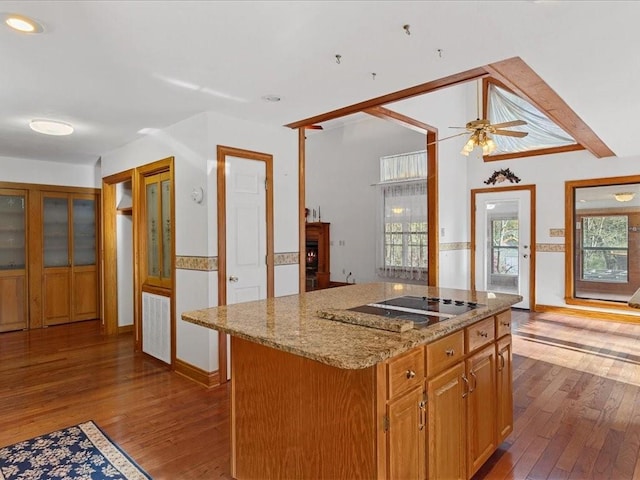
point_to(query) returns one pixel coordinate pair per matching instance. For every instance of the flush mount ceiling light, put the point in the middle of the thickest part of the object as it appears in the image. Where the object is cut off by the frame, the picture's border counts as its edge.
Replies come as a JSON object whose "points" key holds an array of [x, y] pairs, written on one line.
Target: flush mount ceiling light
{"points": [[624, 196], [22, 24], [51, 127]]}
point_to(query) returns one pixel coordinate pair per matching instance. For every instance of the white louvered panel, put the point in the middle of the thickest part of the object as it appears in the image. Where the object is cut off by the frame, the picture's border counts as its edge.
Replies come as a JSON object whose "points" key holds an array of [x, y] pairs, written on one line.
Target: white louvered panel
{"points": [[156, 326]]}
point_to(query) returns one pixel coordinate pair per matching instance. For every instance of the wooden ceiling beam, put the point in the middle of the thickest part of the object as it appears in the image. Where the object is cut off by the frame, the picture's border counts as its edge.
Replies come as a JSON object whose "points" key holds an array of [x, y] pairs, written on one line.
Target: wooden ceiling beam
{"points": [[400, 119], [410, 92], [516, 75]]}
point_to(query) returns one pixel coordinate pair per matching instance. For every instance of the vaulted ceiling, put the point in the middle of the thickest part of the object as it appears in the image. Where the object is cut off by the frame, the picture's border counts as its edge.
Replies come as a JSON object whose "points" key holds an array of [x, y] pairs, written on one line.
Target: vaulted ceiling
{"points": [[113, 69]]}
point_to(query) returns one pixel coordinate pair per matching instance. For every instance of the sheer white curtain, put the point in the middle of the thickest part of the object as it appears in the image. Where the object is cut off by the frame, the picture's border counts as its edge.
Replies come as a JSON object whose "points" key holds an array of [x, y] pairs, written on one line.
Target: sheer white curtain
{"points": [[504, 106], [402, 227]]}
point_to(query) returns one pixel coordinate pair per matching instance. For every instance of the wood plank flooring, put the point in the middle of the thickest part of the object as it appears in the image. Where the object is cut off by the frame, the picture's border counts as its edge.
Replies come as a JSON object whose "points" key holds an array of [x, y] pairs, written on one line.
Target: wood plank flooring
{"points": [[576, 396], [576, 401]]}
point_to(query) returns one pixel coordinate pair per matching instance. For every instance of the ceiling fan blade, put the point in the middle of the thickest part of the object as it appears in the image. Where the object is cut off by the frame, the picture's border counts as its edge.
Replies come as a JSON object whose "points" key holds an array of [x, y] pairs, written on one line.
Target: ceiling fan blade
{"points": [[447, 138], [513, 123], [509, 133], [313, 127]]}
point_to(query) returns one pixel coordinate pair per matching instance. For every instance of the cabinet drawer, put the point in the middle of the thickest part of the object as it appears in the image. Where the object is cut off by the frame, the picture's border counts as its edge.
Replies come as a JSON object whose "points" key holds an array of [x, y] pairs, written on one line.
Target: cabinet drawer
{"points": [[503, 324], [405, 372], [445, 352], [480, 334]]}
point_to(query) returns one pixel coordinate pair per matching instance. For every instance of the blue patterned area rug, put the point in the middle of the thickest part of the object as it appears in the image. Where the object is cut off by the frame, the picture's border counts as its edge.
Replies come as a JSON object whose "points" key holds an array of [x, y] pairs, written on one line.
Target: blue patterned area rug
{"points": [[81, 452]]}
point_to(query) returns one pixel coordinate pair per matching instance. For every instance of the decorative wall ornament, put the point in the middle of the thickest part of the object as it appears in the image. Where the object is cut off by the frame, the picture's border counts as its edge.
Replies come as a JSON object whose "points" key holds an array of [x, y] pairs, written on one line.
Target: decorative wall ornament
{"points": [[500, 176]]}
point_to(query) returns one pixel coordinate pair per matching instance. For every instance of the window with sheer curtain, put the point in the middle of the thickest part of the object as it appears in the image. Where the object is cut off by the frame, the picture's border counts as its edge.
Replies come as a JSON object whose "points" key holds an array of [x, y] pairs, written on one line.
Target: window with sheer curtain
{"points": [[403, 252]]}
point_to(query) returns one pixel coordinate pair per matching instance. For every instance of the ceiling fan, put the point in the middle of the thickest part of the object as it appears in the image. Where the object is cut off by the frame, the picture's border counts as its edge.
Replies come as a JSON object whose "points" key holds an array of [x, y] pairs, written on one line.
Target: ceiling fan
{"points": [[482, 129]]}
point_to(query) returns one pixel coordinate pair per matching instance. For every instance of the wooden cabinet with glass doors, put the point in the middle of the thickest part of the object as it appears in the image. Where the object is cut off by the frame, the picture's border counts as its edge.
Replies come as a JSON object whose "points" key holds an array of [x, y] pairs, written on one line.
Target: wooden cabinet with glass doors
{"points": [[13, 260], [70, 272]]}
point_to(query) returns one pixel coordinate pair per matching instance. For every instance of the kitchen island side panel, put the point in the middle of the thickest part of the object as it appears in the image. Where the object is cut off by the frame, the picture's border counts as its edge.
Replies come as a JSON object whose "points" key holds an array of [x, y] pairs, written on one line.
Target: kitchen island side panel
{"points": [[292, 417]]}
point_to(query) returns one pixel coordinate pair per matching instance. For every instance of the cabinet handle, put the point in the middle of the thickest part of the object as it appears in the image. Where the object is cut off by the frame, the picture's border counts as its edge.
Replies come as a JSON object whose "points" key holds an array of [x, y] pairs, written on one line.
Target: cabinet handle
{"points": [[482, 333], [506, 324], [410, 374], [475, 381], [450, 352], [466, 392], [422, 406], [502, 362]]}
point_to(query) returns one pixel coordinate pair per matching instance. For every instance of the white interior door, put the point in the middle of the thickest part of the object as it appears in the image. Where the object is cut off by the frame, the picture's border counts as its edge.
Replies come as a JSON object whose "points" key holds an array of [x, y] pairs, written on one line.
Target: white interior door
{"points": [[246, 212], [503, 243]]}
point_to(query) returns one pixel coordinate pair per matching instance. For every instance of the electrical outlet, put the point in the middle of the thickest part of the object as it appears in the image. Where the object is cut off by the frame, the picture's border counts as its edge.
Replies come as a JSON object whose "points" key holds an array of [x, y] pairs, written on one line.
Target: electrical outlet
{"points": [[442, 232], [344, 271]]}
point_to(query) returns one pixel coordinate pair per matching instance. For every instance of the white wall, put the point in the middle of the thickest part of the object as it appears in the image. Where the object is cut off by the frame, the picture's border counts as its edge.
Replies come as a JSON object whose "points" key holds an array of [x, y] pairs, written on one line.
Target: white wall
{"points": [[193, 144], [549, 173], [124, 267], [49, 173], [341, 166]]}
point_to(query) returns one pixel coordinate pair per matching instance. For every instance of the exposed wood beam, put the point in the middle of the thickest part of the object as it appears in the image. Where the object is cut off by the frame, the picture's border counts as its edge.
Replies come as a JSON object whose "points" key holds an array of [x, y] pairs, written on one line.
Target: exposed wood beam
{"points": [[414, 91], [399, 119], [516, 75]]}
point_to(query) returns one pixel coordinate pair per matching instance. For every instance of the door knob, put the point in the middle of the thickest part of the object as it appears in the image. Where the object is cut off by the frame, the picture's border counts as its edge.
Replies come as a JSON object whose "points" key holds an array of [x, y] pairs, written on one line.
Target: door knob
{"points": [[525, 255], [233, 279]]}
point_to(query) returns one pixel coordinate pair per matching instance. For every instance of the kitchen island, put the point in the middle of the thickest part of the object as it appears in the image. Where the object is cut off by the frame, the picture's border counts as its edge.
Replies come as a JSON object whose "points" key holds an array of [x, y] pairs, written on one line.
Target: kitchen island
{"points": [[315, 398]]}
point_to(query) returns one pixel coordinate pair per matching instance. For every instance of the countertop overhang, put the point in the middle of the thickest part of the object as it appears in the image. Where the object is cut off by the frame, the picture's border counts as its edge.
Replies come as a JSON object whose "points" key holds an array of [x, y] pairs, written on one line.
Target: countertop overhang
{"points": [[291, 323]]}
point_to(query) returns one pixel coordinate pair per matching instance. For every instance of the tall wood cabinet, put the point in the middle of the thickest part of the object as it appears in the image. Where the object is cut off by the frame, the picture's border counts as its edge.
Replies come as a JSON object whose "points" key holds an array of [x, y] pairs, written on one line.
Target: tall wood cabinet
{"points": [[13, 259], [70, 274], [49, 268]]}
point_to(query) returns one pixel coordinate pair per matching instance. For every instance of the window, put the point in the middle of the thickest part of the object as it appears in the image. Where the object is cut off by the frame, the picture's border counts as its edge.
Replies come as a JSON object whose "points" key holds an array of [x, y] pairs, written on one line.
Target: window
{"points": [[158, 229], [504, 247], [605, 248], [603, 241], [403, 253]]}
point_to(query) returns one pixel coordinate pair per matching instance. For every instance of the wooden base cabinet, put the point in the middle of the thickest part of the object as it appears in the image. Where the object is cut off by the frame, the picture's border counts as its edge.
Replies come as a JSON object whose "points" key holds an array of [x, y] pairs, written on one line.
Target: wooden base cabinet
{"points": [[447, 425], [481, 408], [470, 405], [435, 412], [504, 407], [406, 436]]}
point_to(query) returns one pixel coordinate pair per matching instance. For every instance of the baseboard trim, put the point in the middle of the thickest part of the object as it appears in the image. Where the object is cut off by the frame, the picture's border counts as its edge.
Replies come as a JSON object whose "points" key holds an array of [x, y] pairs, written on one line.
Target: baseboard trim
{"points": [[208, 379], [125, 329], [609, 316]]}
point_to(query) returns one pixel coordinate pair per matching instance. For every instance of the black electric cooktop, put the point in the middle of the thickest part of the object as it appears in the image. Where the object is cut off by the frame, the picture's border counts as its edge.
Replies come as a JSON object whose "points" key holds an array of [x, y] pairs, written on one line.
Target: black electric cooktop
{"points": [[423, 311]]}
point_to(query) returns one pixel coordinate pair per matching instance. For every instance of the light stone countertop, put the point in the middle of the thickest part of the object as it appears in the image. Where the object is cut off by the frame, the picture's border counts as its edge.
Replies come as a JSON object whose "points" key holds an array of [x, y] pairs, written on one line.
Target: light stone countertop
{"points": [[292, 324]]}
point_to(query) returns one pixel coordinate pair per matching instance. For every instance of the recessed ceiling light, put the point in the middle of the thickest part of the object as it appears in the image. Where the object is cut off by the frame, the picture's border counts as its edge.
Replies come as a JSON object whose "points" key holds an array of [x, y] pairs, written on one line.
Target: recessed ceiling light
{"points": [[22, 23], [271, 98], [51, 127]]}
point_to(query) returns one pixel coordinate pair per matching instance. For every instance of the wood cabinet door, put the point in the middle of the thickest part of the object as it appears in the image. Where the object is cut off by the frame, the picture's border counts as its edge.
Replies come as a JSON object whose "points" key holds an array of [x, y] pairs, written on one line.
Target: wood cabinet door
{"points": [[481, 408], [504, 405], [447, 425], [57, 296], [406, 436], [12, 300]]}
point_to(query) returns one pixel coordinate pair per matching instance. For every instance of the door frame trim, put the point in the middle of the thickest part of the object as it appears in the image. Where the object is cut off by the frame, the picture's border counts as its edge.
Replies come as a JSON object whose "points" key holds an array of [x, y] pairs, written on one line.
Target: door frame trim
{"points": [[221, 174], [110, 254], [532, 225]]}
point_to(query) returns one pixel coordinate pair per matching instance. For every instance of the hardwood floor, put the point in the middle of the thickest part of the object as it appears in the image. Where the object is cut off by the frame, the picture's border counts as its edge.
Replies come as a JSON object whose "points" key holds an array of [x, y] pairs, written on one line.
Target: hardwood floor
{"points": [[576, 395], [63, 375], [576, 401]]}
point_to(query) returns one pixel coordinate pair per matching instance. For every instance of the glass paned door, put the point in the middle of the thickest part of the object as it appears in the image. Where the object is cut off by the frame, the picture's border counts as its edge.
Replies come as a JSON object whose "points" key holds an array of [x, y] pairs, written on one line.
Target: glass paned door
{"points": [[56, 232], [503, 243], [12, 232], [158, 223], [84, 231]]}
